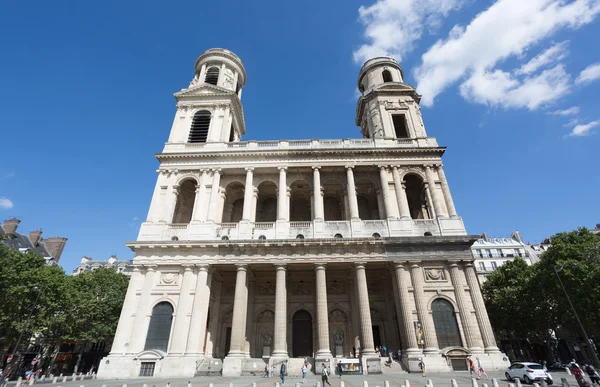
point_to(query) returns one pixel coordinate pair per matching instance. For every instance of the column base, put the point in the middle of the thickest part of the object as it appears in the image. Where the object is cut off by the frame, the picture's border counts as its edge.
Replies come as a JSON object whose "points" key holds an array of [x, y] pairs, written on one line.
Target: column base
{"points": [[323, 354], [492, 350], [431, 351], [476, 350], [232, 365]]}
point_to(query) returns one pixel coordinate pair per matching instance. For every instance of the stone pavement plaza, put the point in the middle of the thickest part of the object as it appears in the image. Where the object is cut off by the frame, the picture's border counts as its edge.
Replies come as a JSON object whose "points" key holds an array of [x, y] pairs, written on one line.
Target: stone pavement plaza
{"points": [[397, 379]]}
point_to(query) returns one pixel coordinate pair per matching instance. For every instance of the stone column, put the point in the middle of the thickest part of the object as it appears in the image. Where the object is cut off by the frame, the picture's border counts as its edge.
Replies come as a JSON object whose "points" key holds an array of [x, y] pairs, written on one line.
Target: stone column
{"points": [[172, 204], [240, 305], [406, 315], [214, 195], [463, 309], [322, 313], [197, 333], [385, 191], [213, 327], [446, 192], [352, 200], [480, 312], [282, 213], [318, 197], [431, 343], [366, 328], [184, 308], [199, 212], [437, 201], [140, 325], [401, 194], [254, 204], [126, 321], [433, 212], [280, 331], [248, 192]]}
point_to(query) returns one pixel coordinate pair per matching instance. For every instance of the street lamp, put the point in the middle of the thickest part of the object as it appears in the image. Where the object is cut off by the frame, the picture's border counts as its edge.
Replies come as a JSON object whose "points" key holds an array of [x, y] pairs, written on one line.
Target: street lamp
{"points": [[583, 333], [38, 291]]}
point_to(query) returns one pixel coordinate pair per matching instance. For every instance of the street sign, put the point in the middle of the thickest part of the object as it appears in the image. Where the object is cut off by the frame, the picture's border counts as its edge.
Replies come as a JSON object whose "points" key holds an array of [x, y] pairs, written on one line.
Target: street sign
{"points": [[9, 358]]}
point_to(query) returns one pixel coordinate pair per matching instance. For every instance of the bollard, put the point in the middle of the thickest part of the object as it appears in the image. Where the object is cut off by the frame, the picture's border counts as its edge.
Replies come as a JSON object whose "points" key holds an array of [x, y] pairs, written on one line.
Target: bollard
{"points": [[453, 383], [406, 383], [429, 383], [61, 375], [297, 384], [385, 384], [536, 385], [81, 377], [43, 378], [544, 383], [189, 384], [518, 382], [124, 385], [145, 385], [31, 380], [210, 385], [495, 382], [168, 384], [473, 382], [342, 384], [74, 377], [318, 384], [230, 384], [253, 384], [511, 385], [81, 385], [365, 384], [564, 383], [54, 379], [484, 385], [568, 371], [65, 379], [276, 384]]}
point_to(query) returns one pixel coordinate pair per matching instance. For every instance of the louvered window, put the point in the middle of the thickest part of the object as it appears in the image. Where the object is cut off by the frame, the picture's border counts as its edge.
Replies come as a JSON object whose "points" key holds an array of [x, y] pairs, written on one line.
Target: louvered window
{"points": [[200, 125], [160, 327], [212, 75], [446, 327], [387, 76]]}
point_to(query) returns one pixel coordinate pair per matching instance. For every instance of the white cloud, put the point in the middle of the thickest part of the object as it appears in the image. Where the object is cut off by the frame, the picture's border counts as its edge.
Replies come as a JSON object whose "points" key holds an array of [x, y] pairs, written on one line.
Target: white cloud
{"points": [[5, 204], [135, 218], [583, 130], [567, 112], [589, 74], [571, 123], [508, 28], [7, 175], [499, 88], [554, 54], [393, 26]]}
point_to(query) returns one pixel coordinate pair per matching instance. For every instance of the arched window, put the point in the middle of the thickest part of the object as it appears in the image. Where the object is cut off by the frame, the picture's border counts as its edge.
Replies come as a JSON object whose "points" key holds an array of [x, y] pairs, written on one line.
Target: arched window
{"points": [[416, 196], [446, 327], [185, 202], [212, 76], [160, 327], [200, 125], [387, 76]]}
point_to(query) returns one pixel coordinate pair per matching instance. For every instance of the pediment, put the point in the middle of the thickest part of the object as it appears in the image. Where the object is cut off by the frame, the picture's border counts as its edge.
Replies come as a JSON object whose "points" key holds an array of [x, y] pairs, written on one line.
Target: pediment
{"points": [[455, 352], [150, 354], [203, 89]]}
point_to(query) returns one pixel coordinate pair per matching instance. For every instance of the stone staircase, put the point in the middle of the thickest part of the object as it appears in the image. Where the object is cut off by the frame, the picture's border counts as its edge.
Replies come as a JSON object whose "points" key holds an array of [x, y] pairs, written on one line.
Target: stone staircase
{"points": [[209, 366], [394, 368]]}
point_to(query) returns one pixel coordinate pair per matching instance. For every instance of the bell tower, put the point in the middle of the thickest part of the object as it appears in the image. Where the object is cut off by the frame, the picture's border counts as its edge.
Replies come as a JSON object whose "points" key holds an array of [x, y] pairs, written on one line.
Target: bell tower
{"points": [[388, 108], [210, 109]]}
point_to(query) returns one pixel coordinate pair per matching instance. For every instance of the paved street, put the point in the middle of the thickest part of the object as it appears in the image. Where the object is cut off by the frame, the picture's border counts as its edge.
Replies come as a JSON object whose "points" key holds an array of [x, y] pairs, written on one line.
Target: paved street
{"points": [[396, 380]]}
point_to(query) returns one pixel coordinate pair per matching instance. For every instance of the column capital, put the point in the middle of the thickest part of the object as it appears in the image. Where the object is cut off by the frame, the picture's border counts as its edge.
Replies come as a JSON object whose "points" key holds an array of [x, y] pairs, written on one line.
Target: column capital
{"points": [[202, 267], [216, 171], [382, 167], [249, 169], [415, 266], [187, 267], [320, 266], [350, 166], [398, 265], [360, 265], [280, 266], [282, 169], [241, 267], [316, 167], [149, 268], [453, 264], [198, 189], [427, 166], [395, 167], [469, 265], [203, 171]]}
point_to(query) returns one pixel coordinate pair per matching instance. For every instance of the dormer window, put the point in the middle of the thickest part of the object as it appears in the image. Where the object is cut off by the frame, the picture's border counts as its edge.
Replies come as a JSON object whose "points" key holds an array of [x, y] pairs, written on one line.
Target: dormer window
{"points": [[387, 76], [200, 125], [400, 126], [212, 76]]}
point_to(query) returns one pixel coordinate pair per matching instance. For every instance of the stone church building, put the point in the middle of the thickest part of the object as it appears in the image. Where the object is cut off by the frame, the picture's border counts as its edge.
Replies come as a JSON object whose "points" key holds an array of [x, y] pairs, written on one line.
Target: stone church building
{"points": [[254, 252]]}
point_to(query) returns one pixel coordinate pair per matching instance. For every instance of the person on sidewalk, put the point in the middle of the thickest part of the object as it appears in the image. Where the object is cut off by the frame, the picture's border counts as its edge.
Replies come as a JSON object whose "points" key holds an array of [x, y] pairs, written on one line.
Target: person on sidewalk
{"points": [[325, 375], [266, 375], [282, 372], [422, 367], [480, 370], [304, 369], [472, 368]]}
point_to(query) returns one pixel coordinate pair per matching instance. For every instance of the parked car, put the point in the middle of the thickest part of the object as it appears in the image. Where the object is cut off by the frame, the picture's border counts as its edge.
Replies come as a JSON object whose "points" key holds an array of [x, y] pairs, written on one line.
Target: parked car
{"points": [[528, 372]]}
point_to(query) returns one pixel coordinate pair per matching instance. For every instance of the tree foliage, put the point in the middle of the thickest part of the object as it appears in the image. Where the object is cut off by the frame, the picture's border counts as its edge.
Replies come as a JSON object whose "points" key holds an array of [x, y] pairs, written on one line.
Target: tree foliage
{"points": [[526, 301], [83, 308]]}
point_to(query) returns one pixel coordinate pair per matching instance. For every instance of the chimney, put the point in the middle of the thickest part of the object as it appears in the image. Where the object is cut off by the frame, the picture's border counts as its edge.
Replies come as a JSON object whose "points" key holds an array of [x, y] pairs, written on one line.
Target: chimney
{"points": [[55, 246], [34, 237], [10, 225], [517, 235]]}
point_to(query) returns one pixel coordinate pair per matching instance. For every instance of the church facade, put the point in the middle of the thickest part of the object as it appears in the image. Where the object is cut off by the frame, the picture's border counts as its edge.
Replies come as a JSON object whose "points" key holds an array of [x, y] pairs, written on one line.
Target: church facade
{"points": [[257, 252]]}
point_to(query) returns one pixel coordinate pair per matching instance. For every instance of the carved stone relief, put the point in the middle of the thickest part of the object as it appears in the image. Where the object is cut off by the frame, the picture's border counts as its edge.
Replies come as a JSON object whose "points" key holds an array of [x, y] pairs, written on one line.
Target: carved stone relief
{"points": [[336, 288], [435, 274], [266, 316], [337, 315], [169, 278], [266, 289], [302, 289], [230, 289]]}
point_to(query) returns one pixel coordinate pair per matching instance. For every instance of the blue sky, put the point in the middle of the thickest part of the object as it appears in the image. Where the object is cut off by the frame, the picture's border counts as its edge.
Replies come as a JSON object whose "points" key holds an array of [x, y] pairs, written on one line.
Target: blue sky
{"points": [[509, 86]]}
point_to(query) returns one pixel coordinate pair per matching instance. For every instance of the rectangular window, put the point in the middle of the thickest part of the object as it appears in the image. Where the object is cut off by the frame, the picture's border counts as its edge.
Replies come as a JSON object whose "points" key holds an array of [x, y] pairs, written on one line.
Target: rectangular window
{"points": [[400, 126], [494, 266], [517, 253], [482, 266], [501, 252], [489, 253], [480, 253], [147, 369]]}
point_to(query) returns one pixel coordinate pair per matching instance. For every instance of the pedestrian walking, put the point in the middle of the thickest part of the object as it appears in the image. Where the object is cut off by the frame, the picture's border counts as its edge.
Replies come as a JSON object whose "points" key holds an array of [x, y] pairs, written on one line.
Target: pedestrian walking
{"points": [[422, 367], [339, 368], [325, 375], [579, 375], [353, 351], [266, 375], [304, 369], [591, 371], [282, 372], [472, 367], [480, 370]]}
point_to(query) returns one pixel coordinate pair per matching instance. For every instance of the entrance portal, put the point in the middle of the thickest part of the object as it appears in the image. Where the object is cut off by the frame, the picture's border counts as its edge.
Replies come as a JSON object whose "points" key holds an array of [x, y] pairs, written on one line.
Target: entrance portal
{"points": [[302, 337]]}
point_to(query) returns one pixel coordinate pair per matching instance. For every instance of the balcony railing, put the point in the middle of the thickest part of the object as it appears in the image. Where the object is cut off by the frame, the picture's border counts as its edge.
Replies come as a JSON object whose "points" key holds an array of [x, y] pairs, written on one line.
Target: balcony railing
{"points": [[302, 144]]}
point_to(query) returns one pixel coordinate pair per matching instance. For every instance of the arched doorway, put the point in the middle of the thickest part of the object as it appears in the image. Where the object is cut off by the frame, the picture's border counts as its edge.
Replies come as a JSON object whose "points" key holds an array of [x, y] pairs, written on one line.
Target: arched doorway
{"points": [[302, 337], [446, 327]]}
